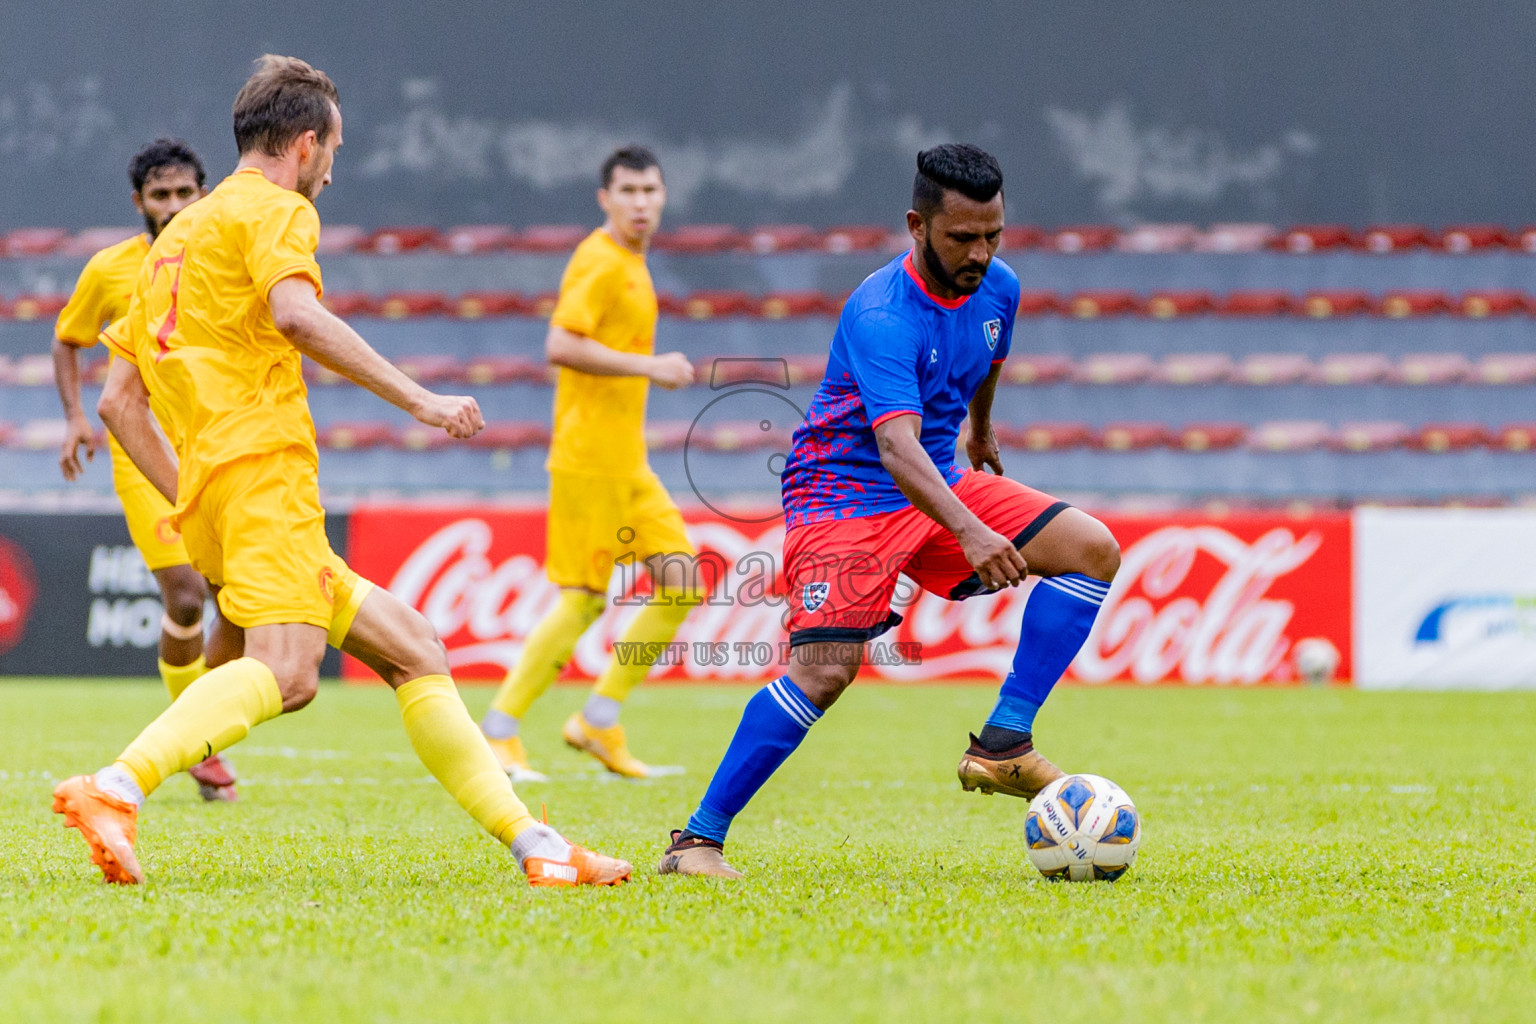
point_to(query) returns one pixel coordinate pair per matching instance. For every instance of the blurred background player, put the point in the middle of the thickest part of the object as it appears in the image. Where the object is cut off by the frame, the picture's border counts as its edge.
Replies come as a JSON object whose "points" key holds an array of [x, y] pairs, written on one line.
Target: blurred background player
{"points": [[228, 297], [167, 176], [605, 501], [871, 490]]}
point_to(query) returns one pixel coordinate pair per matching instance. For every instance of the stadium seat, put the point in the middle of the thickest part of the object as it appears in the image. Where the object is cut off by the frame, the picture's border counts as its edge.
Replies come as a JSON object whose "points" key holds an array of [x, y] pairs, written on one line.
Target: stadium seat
{"points": [[93, 240], [1313, 237], [1525, 239], [1506, 368], [771, 238], [418, 437], [1045, 437], [1166, 305], [666, 435], [742, 435], [339, 238], [475, 305], [1515, 437], [1449, 437], [1114, 368], [1196, 368], [511, 435], [1289, 435], [1337, 302], [856, 238], [39, 435], [1150, 238], [350, 304], [806, 369], [94, 371], [1370, 436], [1352, 368], [1497, 302], [1019, 237], [1235, 238], [1274, 368], [431, 369], [6, 433], [24, 242], [700, 238], [404, 305], [1419, 302], [484, 370], [32, 370], [1201, 437], [1038, 303], [667, 304], [1469, 237], [468, 239], [707, 305], [36, 307], [314, 373], [542, 305], [1090, 304], [550, 237], [775, 371], [1082, 238], [1385, 238], [1128, 437], [346, 436], [1432, 368], [782, 305], [1268, 302], [389, 241], [1036, 369]]}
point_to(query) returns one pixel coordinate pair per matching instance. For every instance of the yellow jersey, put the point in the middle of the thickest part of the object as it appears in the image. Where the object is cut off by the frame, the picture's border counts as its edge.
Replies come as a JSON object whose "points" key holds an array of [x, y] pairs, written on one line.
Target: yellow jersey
{"points": [[599, 425], [224, 382], [101, 294]]}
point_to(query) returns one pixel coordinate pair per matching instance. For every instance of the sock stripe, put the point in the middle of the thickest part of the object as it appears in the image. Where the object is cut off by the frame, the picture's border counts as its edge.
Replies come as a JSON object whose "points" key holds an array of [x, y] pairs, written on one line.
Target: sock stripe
{"points": [[1071, 588], [1086, 582], [794, 704], [804, 702]]}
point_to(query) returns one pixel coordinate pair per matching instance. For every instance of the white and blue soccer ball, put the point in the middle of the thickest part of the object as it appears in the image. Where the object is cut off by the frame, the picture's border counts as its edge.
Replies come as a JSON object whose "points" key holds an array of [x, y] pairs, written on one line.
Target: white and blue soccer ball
{"points": [[1082, 828]]}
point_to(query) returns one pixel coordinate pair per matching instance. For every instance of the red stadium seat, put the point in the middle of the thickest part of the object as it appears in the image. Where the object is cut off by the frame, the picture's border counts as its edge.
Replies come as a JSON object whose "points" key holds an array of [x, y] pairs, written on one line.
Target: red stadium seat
{"points": [[1314, 237], [93, 240], [1385, 238], [467, 239], [36, 307], [1130, 437], [856, 238], [1469, 237], [710, 304], [356, 434], [1497, 302], [1432, 368], [95, 371], [1525, 239], [1036, 303], [700, 238], [667, 304], [550, 237], [1201, 437], [511, 435], [771, 238], [6, 433], [389, 241], [1019, 237], [506, 370], [542, 305], [782, 305], [1267, 369], [39, 435], [807, 369], [666, 435], [1235, 238], [1370, 436], [1515, 437], [1045, 437], [404, 305], [34, 241], [719, 371], [1196, 368], [475, 305], [1166, 305], [1289, 435], [1157, 238], [1400, 304], [1449, 437], [1086, 305], [1337, 302], [339, 238], [33, 370], [1036, 369], [314, 373], [430, 369], [350, 304], [1255, 303], [1114, 368], [1082, 238], [1506, 368], [418, 437], [742, 435], [1353, 368]]}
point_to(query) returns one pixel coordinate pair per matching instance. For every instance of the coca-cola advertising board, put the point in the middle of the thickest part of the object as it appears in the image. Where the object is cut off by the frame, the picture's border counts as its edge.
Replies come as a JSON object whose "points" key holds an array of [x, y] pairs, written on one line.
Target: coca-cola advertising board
{"points": [[1198, 600]]}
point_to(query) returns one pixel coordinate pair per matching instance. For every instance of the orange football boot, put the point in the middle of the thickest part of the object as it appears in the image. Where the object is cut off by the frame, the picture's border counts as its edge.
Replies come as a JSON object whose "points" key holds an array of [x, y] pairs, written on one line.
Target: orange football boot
{"points": [[107, 824], [583, 867]]}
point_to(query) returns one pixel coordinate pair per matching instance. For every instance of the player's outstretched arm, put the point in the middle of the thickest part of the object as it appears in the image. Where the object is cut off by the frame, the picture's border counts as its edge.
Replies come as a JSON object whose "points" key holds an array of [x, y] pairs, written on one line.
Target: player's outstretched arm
{"points": [[670, 370], [326, 338], [77, 432], [981, 445], [124, 408], [996, 561]]}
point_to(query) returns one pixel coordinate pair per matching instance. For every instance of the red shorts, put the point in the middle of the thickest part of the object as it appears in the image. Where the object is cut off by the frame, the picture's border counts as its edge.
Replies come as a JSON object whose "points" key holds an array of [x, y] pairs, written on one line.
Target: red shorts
{"points": [[841, 573]]}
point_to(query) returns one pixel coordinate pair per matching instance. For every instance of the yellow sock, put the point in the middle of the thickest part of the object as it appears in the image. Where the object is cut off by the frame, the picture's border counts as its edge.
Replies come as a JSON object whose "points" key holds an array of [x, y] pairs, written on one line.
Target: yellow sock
{"points": [[548, 648], [656, 624], [178, 677], [445, 738], [214, 712]]}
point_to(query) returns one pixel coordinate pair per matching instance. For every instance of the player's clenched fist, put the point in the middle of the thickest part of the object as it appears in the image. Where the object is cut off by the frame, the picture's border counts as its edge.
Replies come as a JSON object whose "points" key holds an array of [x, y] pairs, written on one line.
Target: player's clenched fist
{"points": [[671, 370], [457, 414], [997, 562]]}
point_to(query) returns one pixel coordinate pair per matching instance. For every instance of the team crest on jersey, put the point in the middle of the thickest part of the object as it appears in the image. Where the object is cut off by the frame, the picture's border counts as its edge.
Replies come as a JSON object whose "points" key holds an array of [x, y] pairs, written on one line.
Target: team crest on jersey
{"points": [[815, 595], [993, 329]]}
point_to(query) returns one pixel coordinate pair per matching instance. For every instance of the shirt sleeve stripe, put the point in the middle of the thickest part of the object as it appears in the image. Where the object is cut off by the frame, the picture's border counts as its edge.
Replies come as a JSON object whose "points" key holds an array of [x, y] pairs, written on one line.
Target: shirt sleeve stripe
{"points": [[892, 415]]}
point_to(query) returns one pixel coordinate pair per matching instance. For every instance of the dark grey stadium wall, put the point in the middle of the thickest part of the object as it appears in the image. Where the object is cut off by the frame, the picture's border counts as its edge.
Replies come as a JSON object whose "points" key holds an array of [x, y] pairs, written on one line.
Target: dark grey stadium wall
{"points": [[805, 111]]}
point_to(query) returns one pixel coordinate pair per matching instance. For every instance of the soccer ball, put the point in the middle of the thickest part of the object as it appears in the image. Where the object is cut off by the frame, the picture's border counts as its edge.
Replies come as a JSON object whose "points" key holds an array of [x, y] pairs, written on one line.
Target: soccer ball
{"points": [[1316, 660], [1081, 828]]}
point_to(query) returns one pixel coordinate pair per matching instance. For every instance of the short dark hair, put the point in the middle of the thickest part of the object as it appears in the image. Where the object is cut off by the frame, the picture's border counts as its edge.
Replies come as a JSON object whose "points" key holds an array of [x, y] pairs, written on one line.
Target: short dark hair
{"points": [[636, 158], [163, 153], [283, 99], [958, 167]]}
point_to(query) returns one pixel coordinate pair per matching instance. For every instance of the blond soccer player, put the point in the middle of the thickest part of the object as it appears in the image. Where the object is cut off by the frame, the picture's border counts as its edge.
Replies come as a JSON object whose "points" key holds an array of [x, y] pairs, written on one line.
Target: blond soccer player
{"points": [[605, 502], [167, 176], [227, 299]]}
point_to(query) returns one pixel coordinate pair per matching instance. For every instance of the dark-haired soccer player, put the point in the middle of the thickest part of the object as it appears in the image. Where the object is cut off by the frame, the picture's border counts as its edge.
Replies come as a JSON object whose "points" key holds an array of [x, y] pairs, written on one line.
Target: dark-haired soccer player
{"points": [[871, 490], [167, 176], [605, 501]]}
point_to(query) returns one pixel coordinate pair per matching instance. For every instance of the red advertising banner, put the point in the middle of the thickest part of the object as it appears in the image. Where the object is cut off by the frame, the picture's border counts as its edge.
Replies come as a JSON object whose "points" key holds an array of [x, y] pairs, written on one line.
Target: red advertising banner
{"points": [[1198, 600]]}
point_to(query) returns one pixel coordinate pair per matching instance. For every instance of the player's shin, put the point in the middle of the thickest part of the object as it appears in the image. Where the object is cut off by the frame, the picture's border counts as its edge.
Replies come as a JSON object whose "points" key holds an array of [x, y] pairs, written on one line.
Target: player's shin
{"points": [[647, 635], [776, 719], [545, 653]]}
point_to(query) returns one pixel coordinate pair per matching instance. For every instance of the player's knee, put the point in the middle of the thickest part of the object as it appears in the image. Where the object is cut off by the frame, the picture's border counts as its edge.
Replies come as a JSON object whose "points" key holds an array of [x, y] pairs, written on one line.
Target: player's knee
{"points": [[822, 683], [183, 595], [424, 654], [1101, 553], [298, 684]]}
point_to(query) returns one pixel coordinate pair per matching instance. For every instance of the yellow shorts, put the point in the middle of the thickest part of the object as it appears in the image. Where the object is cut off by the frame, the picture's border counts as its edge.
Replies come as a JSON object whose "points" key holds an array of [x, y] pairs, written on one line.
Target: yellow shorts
{"points": [[257, 532], [147, 512], [594, 520]]}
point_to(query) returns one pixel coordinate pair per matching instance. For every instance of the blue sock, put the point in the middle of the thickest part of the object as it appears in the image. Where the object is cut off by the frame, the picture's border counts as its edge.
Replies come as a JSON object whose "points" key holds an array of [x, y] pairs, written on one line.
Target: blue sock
{"points": [[775, 721], [1057, 617]]}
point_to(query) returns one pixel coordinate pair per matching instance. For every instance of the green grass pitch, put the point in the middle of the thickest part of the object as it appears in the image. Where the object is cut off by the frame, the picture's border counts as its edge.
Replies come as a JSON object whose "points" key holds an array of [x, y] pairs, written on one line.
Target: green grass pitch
{"points": [[1308, 855]]}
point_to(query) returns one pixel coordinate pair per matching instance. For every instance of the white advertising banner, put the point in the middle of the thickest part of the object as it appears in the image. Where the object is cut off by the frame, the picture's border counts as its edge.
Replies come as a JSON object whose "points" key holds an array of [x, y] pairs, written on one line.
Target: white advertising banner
{"points": [[1445, 598]]}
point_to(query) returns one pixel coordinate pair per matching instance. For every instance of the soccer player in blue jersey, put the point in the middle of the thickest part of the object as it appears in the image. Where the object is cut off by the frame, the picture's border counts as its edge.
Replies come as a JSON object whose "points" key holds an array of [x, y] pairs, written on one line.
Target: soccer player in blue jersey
{"points": [[871, 490]]}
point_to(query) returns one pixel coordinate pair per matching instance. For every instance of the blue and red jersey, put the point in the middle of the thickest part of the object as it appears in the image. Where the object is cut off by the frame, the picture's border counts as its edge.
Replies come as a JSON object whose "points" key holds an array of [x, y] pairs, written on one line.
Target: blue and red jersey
{"points": [[898, 350]]}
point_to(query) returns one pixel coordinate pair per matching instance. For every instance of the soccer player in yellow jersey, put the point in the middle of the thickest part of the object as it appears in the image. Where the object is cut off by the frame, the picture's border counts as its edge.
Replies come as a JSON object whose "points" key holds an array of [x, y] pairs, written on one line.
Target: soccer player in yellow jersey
{"points": [[227, 299], [605, 501], [167, 176]]}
